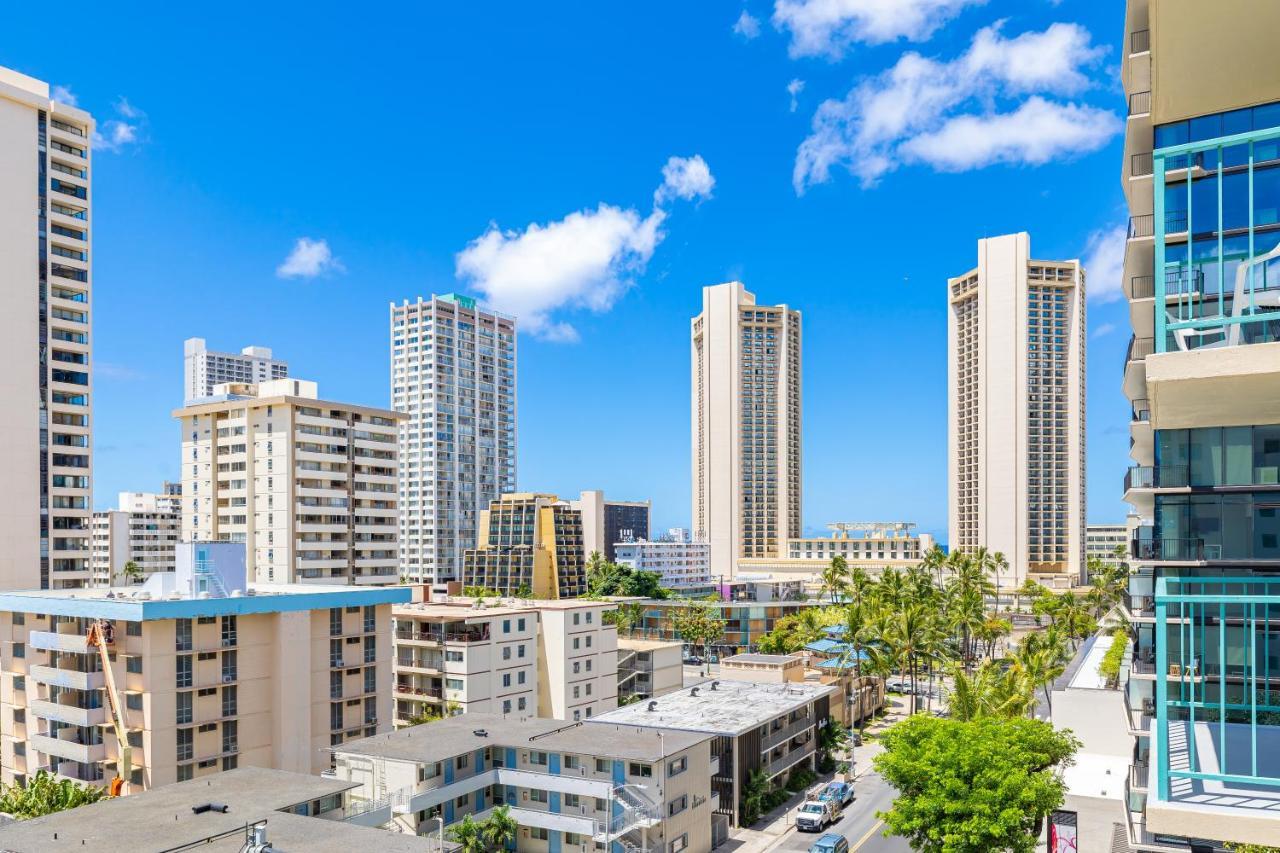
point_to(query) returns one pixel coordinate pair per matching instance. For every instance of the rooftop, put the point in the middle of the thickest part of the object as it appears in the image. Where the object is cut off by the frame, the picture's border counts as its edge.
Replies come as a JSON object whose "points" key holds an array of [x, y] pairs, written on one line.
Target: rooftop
{"points": [[162, 818], [723, 707], [442, 739], [762, 660], [637, 644], [133, 604]]}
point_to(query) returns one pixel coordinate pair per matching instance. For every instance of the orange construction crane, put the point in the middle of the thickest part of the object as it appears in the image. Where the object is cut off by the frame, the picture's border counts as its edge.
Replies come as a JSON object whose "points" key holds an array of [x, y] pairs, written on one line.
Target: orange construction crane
{"points": [[102, 635]]}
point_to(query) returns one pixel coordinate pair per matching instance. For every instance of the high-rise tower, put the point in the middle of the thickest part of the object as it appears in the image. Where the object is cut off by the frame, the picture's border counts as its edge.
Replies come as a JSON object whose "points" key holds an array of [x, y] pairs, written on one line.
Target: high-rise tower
{"points": [[46, 387], [745, 426], [1016, 410], [453, 373]]}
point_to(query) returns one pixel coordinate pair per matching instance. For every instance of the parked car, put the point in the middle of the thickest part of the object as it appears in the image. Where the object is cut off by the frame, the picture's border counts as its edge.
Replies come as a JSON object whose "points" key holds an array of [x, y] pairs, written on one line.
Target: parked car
{"points": [[830, 843], [693, 660], [816, 815], [840, 792]]}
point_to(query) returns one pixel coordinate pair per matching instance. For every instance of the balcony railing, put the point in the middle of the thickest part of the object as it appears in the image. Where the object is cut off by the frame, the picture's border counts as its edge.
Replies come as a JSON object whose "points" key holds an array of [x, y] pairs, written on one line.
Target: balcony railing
{"points": [[1139, 103], [1140, 348], [1166, 548], [1140, 164], [1142, 409], [1139, 41], [1142, 287], [1142, 226]]}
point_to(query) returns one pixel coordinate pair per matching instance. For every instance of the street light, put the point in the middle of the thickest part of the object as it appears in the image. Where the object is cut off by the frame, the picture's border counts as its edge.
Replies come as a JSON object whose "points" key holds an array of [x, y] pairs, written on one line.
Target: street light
{"points": [[440, 820]]}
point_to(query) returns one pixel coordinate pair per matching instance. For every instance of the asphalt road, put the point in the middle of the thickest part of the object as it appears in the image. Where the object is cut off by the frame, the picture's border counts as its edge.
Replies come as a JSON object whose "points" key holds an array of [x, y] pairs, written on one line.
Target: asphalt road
{"points": [[859, 823]]}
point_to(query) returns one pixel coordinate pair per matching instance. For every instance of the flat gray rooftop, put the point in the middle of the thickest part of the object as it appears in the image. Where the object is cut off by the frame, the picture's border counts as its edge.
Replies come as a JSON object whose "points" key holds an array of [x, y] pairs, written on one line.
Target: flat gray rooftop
{"points": [[443, 739], [161, 818], [732, 708], [776, 660]]}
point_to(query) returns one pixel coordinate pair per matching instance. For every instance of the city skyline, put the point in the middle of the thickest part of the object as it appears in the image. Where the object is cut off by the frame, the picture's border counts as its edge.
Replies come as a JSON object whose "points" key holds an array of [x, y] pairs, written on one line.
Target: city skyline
{"points": [[710, 190]]}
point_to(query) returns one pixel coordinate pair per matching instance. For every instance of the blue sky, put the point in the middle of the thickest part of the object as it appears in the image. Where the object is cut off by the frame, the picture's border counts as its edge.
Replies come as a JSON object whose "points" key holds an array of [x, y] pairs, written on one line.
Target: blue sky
{"points": [[514, 152]]}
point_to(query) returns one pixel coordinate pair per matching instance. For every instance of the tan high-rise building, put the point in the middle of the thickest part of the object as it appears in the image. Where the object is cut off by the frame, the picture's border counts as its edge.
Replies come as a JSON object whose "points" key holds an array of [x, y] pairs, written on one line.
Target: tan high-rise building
{"points": [[531, 543], [46, 386], [143, 530], [308, 485], [1016, 416], [746, 426]]}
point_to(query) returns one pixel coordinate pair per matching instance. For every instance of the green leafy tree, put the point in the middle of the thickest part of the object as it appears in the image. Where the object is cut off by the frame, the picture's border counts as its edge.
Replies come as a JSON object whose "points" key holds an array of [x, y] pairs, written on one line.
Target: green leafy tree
{"points": [[468, 834], [626, 617], [44, 793], [131, 572], [973, 787], [1249, 848], [987, 692], [752, 802], [499, 829], [698, 625]]}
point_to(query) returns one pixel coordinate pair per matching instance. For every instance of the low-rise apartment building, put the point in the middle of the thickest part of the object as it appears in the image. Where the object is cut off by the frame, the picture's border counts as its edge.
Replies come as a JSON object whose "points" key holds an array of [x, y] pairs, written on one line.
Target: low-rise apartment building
{"points": [[252, 805], [769, 727], [210, 674], [308, 485], [648, 668], [518, 658], [1102, 540], [745, 621], [529, 544], [680, 562], [143, 529], [572, 788], [872, 545]]}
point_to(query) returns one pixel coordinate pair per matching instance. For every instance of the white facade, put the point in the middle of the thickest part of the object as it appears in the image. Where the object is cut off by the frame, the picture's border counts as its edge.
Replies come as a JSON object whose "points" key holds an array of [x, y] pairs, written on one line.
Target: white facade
{"points": [[521, 659], [746, 426], [453, 372], [681, 564], [143, 530], [203, 368], [46, 387], [607, 522], [307, 484], [1016, 409], [1101, 540]]}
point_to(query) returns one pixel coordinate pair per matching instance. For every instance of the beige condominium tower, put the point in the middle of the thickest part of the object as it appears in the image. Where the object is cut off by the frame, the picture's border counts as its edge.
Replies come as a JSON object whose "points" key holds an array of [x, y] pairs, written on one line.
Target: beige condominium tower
{"points": [[1015, 387], [746, 426], [45, 296]]}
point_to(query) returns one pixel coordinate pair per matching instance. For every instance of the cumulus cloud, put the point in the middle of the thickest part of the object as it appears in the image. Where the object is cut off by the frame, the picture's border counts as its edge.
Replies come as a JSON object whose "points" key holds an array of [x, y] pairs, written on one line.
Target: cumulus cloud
{"points": [[747, 25], [1103, 329], [1104, 264], [794, 88], [63, 95], [830, 27], [586, 260], [915, 111], [309, 259], [127, 128], [685, 177]]}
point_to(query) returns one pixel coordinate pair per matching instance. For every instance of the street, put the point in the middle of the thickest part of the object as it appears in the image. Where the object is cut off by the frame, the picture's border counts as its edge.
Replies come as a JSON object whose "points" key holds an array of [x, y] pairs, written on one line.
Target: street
{"points": [[859, 823]]}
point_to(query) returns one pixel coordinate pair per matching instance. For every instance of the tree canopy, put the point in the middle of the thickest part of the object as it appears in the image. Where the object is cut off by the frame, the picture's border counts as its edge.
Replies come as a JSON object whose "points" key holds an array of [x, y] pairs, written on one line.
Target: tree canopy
{"points": [[973, 787], [605, 578], [44, 793]]}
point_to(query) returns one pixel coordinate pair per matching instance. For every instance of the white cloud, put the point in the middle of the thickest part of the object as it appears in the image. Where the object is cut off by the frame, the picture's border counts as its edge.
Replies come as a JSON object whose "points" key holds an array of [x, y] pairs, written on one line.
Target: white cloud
{"points": [[830, 27], [1104, 264], [115, 134], [114, 371], [1035, 133], [63, 95], [794, 88], [309, 258], [747, 25], [1103, 329], [685, 177], [909, 111], [586, 260]]}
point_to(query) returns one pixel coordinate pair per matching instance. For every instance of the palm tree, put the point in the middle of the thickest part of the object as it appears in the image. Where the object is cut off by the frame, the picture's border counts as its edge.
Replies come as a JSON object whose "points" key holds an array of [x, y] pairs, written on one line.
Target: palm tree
{"points": [[131, 572], [1040, 667], [999, 565], [991, 630], [835, 577], [467, 834], [909, 638], [499, 829]]}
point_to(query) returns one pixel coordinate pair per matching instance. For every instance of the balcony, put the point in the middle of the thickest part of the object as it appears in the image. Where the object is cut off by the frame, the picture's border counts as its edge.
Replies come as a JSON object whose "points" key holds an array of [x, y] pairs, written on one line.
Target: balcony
{"points": [[788, 731], [791, 759], [72, 678], [69, 749], [1139, 41], [69, 714], [1139, 104], [58, 642]]}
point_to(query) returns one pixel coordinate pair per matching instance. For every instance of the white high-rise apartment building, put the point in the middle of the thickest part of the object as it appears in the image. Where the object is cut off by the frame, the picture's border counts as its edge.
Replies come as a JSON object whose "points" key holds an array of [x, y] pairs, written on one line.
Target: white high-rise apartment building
{"points": [[46, 387], [308, 485], [143, 529], [453, 373], [1016, 416], [746, 426], [203, 368]]}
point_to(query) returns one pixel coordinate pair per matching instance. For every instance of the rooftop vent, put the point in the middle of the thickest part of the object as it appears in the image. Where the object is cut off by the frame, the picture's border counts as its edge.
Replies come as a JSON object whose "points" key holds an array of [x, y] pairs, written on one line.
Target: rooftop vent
{"points": [[693, 692], [221, 808], [480, 732], [653, 706], [714, 685]]}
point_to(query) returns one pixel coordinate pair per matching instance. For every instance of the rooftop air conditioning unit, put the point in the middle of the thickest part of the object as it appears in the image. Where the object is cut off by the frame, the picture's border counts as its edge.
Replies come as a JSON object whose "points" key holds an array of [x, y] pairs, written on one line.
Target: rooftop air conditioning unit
{"points": [[227, 679]]}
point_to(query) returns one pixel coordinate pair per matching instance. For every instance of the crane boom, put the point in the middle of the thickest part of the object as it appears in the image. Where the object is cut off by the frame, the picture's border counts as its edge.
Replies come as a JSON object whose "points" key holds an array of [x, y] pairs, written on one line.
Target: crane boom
{"points": [[101, 634]]}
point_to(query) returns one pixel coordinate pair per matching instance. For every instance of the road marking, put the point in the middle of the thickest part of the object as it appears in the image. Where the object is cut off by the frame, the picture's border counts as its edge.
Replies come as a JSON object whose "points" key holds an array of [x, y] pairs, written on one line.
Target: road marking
{"points": [[863, 840]]}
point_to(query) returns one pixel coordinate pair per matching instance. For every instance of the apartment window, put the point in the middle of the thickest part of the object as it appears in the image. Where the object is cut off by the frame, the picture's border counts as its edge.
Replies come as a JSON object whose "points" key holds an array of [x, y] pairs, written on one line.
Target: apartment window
{"points": [[186, 744], [537, 796], [335, 621], [230, 762], [183, 673], [184, 704], [185, 772], [230, 701], [370, 679], [133, 663], [506, 706], [230, 736], [678, 844], [678, 766], [133, 629], [576, 667], [132, 701], [229, 668], [590, 617], [603, 765], [588, 638], [229, 631], [677, 805], [19, 650], [577, 715], [182, 637], [520, 624], [520, 703], [644, 771], [506, 679], [538, 758], [538, 833], [456, 657], [19, 618], [588, 688], [463, 801], [506, 653], [520, 677], [519, 651], [576, 642], [456, 683], [506, 626], [462, 762], [576, 693], [335, 715], [576, 618]]}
